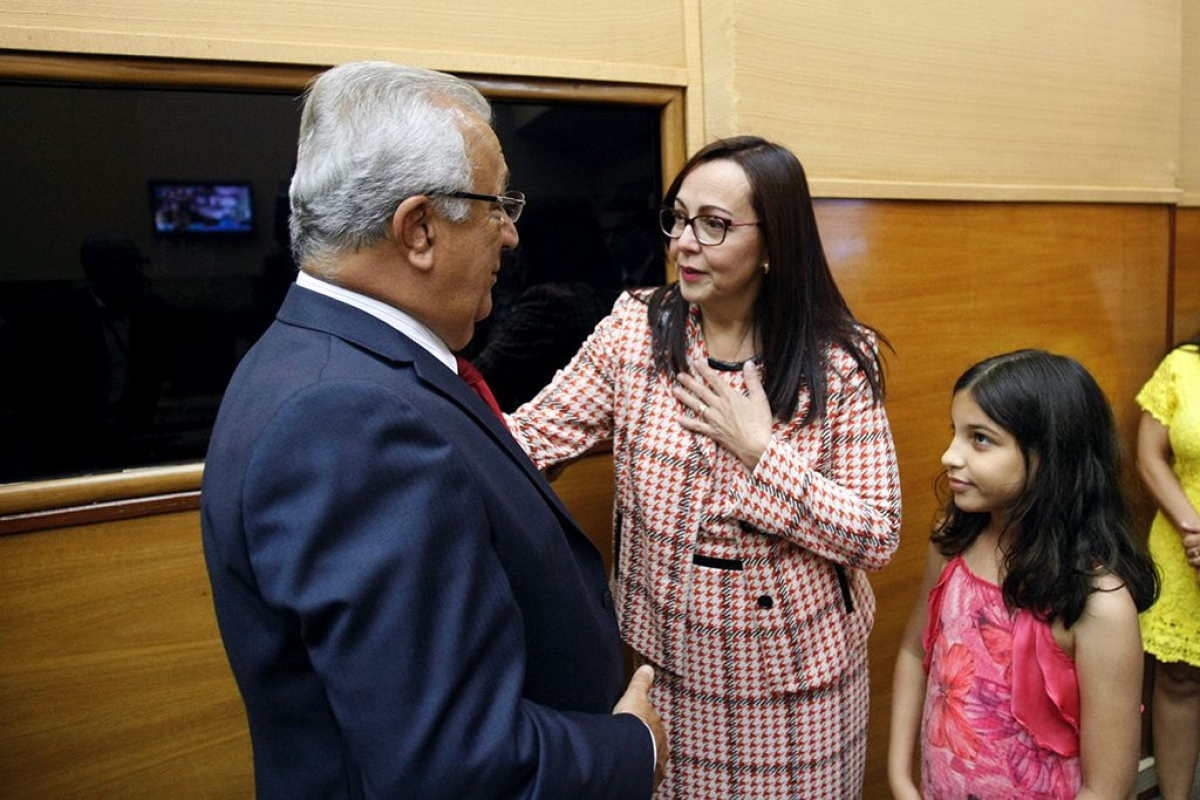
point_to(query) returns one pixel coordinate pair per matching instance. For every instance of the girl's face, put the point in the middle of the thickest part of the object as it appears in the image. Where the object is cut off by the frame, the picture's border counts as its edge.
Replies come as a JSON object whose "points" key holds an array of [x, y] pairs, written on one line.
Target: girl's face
{"points": [[723, 276], [983, 462]]}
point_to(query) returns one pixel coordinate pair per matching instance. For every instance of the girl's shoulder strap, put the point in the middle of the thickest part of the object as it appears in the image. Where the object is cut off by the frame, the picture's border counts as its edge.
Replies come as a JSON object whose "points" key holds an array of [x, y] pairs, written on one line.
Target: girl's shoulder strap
{"points": [[936, 597]]}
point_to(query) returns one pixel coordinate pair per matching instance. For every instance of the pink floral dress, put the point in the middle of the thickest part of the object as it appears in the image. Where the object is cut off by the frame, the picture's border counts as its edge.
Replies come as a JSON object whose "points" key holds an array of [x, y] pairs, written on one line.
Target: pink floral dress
{"points": [[1001, 716]]}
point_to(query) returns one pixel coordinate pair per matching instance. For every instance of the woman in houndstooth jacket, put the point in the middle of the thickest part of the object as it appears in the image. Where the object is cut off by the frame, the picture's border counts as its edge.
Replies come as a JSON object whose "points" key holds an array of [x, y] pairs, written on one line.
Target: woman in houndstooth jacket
{"points": [[756, 483]]}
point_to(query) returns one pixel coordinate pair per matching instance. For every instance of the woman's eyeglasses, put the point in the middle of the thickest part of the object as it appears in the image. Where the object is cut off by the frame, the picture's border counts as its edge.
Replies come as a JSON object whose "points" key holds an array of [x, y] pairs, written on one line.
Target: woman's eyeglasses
{"points": [[708, 229]]}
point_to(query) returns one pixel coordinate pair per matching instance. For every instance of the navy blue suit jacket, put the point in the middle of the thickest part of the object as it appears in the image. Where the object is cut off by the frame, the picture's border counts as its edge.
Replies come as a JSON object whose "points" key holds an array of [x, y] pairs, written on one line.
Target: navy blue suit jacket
{"points": [[407, 608]]}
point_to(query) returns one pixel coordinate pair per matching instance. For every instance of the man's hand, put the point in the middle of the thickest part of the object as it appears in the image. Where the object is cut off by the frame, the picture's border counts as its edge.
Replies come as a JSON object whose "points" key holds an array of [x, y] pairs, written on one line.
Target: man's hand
{"points": [[636, 701]]}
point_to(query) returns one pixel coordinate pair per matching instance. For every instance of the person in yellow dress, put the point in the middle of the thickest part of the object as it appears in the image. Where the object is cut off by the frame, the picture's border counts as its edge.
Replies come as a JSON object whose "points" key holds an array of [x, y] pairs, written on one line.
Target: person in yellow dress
{"points": [[1168, 455]]}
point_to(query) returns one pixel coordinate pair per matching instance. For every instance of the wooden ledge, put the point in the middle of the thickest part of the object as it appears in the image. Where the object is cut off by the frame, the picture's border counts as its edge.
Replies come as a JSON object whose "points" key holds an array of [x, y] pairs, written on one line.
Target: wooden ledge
{"points": [[36, 505]]}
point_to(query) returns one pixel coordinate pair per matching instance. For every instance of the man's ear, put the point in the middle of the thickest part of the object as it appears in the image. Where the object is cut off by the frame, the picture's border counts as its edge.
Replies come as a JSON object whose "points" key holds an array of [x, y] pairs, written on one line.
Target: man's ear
{"points": [[413, 229]]}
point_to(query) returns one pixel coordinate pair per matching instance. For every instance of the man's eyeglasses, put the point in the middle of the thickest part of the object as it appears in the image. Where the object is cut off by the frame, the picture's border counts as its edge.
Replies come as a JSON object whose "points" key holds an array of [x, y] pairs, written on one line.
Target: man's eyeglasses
{"points": [[709, 229], [513, 203]]}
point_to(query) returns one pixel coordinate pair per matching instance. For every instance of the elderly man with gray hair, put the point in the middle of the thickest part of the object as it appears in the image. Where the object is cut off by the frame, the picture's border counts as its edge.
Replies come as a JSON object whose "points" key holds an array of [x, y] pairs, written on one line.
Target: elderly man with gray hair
{"points": [[408, 609]]}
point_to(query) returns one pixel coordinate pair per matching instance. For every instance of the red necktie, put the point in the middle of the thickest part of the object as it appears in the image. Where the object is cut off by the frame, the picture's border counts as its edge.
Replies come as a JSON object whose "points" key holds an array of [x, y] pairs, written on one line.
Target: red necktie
{"points": [[467, 371]]}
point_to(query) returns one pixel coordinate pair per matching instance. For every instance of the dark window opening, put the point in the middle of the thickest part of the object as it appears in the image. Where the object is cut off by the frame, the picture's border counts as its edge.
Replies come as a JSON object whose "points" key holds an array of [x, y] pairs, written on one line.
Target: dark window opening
{"points": [[117, 341]]}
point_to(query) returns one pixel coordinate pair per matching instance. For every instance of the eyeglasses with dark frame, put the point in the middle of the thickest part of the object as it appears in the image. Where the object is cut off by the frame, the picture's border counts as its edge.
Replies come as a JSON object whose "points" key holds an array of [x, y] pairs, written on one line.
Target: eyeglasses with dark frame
{"points": [[709, 229], [513, 203]]}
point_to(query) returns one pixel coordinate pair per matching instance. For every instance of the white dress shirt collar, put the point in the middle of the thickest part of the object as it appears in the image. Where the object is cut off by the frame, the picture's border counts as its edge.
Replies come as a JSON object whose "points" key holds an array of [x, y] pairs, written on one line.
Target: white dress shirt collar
{"points": [[405, 323]]}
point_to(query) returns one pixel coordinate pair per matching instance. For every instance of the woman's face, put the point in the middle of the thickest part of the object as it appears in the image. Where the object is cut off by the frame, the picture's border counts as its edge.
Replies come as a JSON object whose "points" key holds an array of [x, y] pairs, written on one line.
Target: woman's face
{"points": [[722, 278]]}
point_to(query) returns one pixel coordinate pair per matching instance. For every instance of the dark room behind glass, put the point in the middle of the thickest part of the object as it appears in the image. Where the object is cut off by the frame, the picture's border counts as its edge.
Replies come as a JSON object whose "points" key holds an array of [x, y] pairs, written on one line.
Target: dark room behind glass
{"points": [[117, 337]]}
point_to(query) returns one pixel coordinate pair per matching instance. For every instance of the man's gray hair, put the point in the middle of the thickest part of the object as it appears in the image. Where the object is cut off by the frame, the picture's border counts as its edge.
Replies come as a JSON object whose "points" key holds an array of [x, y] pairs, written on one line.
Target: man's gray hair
{"points": [[371, 134]]}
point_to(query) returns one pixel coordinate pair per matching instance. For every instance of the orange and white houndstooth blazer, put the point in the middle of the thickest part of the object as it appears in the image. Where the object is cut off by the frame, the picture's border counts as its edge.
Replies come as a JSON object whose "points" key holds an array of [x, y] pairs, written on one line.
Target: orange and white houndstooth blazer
{"points": [[821, 507]]}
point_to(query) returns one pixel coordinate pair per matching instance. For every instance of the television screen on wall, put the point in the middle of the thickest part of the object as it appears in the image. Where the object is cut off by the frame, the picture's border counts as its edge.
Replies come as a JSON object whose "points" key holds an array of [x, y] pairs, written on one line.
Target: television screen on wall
{"points": [[202, 208]]}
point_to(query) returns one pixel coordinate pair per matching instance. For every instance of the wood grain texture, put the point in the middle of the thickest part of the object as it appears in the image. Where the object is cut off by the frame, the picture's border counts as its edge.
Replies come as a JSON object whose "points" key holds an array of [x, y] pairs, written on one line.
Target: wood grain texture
{"points": [[1015, 101], [1189, 106], [1186, 286], [624, 40], [114, 682]]}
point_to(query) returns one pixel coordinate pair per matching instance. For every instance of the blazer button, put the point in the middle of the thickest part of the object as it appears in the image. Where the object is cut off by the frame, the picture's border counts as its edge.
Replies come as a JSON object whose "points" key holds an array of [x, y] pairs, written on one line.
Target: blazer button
{"points": [[606, 599], [766, 601]]}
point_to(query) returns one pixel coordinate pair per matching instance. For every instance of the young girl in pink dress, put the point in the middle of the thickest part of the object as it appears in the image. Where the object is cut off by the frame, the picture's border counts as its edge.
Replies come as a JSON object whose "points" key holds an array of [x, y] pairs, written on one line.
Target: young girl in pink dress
{"points": [[1021, 666]]}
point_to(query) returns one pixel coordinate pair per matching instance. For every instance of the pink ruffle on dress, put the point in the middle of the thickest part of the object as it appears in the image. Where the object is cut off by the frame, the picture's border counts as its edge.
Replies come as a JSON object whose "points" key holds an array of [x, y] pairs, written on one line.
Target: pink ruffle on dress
{"points": [[1001, 717]]}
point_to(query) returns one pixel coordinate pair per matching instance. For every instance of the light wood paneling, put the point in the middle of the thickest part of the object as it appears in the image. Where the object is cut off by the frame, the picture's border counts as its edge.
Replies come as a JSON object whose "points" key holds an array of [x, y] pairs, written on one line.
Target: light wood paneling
{"points": [[952, 283], [1189, 105], [619, 40], [1021, 100], [696, 46]]}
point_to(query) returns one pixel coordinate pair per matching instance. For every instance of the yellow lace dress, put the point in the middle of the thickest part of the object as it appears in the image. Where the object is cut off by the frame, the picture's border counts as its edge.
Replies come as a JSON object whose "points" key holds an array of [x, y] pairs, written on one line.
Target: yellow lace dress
{"points": [[1171, 627]]}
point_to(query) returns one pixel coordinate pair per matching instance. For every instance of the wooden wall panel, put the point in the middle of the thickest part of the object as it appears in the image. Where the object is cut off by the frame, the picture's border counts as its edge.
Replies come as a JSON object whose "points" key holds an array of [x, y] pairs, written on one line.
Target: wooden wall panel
{"points": [[1186, 288], [113, 681], [1189, 105], [1017, 101], [586, 489], [618, 40], [952, 283]]}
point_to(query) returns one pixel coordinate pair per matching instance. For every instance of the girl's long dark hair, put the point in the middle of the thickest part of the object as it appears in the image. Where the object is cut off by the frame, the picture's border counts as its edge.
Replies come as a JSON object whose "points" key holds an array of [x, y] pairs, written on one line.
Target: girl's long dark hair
{"points": [[799, 310], [1072, 521]]}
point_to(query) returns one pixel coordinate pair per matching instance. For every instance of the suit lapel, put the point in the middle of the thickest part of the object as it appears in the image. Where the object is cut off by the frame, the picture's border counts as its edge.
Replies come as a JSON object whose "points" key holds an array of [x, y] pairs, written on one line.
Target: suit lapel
{"points": [[441, 379], [315, 311]]}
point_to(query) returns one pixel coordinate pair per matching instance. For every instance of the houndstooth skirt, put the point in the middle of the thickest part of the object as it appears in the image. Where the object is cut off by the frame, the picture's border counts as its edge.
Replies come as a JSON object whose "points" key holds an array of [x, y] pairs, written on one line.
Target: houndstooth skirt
{"points": [[801, 746], [732, 738]]}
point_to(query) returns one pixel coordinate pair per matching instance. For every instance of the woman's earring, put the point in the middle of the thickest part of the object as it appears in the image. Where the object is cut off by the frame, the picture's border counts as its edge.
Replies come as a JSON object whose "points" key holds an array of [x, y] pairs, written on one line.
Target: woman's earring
{"points": [[766, 267]]}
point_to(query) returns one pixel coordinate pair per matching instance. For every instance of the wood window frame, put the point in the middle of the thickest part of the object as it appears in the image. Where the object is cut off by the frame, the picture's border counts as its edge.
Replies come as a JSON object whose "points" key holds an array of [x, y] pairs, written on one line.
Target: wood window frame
{"points": [[42, 504]]}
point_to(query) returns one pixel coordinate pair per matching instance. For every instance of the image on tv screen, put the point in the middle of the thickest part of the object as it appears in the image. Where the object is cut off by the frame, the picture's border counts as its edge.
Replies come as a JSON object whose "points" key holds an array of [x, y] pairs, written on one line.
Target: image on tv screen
{"points": [[187, 208]]}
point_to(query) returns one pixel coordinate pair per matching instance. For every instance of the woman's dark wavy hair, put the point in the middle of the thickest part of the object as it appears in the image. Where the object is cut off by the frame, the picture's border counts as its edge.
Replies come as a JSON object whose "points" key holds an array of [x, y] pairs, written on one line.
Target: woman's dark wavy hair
{"points": [[799, 310], [1072, 521]]}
